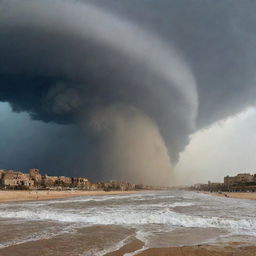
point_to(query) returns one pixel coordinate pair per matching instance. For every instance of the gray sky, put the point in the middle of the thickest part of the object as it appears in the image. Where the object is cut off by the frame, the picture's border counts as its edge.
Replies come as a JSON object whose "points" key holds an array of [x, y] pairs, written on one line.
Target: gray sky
{"points": [[225, 148], [98, 75]]}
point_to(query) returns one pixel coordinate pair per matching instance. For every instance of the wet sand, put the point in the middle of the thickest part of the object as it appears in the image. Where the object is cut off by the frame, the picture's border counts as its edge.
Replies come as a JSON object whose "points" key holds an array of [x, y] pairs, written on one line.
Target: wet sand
{"points": [[57, 247], [128, 248], [60, 238], [11, 196], [202, 250], [232, 249], [238, 195]]}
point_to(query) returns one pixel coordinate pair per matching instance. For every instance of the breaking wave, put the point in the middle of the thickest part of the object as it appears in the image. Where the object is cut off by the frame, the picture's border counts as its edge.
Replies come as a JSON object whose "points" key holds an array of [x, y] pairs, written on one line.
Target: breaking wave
{"points": [[147, 216], [135, 218]]}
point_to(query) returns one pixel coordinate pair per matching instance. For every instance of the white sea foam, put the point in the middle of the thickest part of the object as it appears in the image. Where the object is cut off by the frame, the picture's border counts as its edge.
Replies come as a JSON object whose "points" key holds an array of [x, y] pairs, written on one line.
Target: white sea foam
{"points": [[81, 199], [112, 248], [181, 204], [158, 212], [122, 217], [84, 199], [45, 234]]}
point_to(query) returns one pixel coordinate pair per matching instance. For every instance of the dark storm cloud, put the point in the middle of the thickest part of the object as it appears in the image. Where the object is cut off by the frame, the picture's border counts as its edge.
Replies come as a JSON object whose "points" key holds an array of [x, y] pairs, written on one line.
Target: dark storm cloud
{"points": [[74, 62], [217, 39]]}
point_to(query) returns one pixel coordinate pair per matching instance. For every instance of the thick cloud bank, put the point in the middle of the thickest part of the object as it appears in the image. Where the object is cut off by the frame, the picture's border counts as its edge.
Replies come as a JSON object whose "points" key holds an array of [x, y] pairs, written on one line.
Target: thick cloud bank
{"points": [[110, 69], [70, 62]]}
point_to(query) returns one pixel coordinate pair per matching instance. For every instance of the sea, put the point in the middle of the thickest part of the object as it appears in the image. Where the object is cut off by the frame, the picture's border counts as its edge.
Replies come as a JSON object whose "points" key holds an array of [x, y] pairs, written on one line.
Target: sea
{"points": [[97, 225]]}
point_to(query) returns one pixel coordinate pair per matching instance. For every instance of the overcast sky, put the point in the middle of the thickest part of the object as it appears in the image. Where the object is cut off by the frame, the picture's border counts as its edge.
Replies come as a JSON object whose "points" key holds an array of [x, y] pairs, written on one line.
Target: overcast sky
{"points": [[225, 148], [128, 89]]}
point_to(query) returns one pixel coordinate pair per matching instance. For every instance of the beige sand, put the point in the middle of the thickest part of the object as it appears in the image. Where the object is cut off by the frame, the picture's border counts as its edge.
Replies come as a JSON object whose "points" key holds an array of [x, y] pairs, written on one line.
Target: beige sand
{"points": [[238, 195], [8, 196], [232, 249], [128, 248], [205, 250], [61, 247]]}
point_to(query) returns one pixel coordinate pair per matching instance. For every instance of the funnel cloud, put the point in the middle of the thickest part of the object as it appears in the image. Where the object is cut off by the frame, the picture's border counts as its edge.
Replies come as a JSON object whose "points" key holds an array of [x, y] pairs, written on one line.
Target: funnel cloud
{"points": [[132, 146]]}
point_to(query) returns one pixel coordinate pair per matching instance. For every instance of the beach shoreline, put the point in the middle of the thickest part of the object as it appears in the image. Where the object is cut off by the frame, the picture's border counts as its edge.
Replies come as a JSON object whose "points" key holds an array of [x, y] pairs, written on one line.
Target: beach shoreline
{"points": [[58, 231], [34, 195], [205, 250], [227, 249], [237, 195], [136, 247]]}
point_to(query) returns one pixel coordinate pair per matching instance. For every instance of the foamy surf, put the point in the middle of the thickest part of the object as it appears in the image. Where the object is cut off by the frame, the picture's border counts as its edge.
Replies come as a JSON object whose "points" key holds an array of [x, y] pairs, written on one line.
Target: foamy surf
{"points": [[148, 214], [134, 216]]}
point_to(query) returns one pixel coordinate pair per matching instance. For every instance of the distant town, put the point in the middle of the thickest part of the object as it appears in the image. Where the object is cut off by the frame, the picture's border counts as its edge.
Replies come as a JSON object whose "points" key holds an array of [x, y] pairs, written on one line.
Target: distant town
{"points": [[242, 182], [34, 180], [10, 179]]}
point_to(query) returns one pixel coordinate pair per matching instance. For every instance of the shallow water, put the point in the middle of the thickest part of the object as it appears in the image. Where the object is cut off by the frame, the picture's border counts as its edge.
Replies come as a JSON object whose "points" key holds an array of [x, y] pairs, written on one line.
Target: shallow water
{"points": [[98, 224]]}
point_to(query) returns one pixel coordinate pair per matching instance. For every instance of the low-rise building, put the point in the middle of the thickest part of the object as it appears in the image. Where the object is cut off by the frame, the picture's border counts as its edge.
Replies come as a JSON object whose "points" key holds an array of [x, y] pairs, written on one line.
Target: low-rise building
{"points": [[12, 179], [64, 181], [1, 173], [240, 182], [49, 181], [35, 176], [239, 178], [215, 186], [229, 181], [244, 177], [81, 183], [34, 180]]}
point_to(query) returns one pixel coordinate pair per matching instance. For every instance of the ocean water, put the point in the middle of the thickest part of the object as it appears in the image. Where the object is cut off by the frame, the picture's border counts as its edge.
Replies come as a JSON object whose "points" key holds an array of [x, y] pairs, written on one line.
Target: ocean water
{"points": [[97, 225]]}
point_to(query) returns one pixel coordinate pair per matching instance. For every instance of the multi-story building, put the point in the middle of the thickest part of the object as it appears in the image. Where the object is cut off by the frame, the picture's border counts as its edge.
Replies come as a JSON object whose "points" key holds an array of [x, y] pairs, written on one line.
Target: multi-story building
{"points": [[35, 175], [81, 183], [34, 180], [49, 181], [238, 179], [11, 179], [1, 174], [244, 177], [229, 181], [64, 181]]}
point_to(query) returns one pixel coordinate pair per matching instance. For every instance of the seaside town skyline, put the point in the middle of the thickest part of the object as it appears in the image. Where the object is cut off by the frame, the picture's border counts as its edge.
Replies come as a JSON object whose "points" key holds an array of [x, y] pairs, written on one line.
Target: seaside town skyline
{"points": [[242, 182], [33, 179]]}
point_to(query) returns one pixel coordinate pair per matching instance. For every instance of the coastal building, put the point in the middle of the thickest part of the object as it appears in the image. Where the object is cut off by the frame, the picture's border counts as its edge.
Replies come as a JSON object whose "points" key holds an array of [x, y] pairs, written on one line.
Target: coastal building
{"points": [[12, 179], [48, 181], [240, 182], [244, 177], [1, 174], [64, 181], [35, 176], [215, 186], [94, 186], [229, 181], [240, 178], [80, 183]]}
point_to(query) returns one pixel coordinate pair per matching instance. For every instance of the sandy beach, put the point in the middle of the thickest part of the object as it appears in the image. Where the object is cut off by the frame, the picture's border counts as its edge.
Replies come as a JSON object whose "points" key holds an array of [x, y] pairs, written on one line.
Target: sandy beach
{"points": [[15, 195], [48, 247], [232, 249], [204, 250], [238, 195], [11, 196], [159, 223]]}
